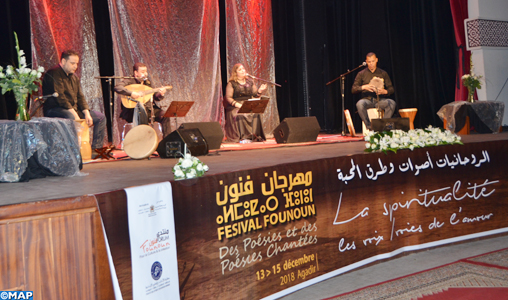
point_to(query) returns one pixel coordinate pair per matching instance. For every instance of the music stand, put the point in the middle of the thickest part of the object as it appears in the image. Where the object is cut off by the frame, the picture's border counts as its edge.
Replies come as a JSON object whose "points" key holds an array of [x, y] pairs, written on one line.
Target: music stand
{"points": [[254, 106], [178, 109]]}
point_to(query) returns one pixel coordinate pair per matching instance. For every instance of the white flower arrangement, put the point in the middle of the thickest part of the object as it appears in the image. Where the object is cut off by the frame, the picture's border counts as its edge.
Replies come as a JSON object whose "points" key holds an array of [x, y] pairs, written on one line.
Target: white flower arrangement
{"points": [[471, 81], [22, 80], [417, 138], [189, 167]]}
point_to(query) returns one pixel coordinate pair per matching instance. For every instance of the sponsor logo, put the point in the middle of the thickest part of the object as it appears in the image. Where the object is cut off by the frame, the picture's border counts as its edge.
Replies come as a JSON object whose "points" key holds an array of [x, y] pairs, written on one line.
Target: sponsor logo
{"points": [[156, 270]]}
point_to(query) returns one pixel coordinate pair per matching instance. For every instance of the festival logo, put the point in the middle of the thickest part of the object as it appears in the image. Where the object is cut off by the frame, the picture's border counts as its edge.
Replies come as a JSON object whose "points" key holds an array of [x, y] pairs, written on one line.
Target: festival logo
{"points": [[159, 243]]}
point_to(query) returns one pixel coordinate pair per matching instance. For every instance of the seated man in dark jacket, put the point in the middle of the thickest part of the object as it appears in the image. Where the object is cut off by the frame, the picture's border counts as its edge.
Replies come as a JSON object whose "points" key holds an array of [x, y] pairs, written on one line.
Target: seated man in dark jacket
{"points": [[370, 92], [70, 102]]}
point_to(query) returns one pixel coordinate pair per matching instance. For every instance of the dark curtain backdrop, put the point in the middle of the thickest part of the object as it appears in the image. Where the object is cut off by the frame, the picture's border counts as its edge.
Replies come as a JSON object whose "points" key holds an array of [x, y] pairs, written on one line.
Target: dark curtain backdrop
{"points": [[414, 41], [15, 17]]}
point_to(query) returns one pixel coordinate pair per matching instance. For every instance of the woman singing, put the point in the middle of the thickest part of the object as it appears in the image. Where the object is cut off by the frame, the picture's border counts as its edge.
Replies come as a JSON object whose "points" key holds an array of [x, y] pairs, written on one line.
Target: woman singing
{"points": [[242, 126]]}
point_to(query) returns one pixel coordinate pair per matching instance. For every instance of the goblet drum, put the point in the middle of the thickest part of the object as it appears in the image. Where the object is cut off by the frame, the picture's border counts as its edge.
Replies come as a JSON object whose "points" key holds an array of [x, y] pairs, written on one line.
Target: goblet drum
{"points": [[409, 113]]}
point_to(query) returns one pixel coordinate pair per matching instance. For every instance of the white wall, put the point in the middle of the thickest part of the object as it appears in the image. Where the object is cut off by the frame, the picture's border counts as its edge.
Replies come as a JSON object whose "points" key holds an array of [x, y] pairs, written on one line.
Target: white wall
{"points": [[490, 62]]}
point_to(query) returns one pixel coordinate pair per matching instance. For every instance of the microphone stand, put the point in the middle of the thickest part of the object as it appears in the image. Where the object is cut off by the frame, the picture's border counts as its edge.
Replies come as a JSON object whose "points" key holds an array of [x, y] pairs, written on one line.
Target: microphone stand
{"points": [[40, 102], [342, 78], [110, 92], [264, 80]]}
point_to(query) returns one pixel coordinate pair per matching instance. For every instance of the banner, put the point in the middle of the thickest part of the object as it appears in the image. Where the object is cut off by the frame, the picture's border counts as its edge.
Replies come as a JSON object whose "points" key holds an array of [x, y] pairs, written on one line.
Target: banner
{"points": [[153, 242], [263, 233]]}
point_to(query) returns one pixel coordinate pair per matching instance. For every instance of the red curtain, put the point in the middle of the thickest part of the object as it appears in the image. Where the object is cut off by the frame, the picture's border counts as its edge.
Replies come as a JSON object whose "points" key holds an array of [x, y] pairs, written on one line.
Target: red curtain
{"points": [[459, 13]]}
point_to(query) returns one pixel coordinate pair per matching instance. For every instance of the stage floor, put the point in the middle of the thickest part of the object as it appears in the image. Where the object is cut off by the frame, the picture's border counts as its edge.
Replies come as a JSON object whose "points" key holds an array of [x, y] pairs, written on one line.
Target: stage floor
{"points": [[109, 176]]}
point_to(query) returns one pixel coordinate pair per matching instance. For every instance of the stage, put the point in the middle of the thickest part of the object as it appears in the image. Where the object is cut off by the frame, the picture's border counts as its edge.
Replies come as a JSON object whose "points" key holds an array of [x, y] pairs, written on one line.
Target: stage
{"points": [[324, 209], [110, 175], [105, 176]]}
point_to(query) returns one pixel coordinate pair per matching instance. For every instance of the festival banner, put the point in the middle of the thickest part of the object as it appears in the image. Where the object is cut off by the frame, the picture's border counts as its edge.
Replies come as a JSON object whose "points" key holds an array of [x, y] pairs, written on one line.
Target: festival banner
{"points": [[152, 242], [266, 232]]}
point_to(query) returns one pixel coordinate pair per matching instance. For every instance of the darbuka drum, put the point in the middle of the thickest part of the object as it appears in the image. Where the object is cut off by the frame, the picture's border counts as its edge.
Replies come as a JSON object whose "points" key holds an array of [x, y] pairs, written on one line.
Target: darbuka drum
{"points": [[409, 113], [84, 139], [140, 142]]}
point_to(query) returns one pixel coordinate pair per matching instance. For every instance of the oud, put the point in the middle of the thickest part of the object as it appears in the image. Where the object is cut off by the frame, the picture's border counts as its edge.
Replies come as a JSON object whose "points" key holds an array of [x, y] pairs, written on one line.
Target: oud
{"points": [[146, 94]]}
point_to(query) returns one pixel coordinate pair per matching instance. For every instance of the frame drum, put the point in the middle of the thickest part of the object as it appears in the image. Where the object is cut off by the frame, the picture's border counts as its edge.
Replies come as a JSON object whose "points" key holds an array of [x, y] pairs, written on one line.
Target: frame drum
{"points": [[409, 113], [140, 142]]}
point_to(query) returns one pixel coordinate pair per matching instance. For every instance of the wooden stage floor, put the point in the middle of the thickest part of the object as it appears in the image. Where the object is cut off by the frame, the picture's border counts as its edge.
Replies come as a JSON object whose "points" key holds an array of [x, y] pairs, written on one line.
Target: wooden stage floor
{"points": [[115, 175]]}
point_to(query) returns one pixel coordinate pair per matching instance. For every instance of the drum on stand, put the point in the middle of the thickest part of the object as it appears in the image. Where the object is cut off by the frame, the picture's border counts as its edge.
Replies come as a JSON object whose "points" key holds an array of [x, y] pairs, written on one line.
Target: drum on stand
{"points": [[140, 142], [409, 113]]}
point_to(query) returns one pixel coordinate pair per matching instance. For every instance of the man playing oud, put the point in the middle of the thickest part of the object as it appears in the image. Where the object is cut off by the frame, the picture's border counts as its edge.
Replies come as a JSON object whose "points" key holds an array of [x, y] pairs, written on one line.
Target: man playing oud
{"points": [[133, 91]]}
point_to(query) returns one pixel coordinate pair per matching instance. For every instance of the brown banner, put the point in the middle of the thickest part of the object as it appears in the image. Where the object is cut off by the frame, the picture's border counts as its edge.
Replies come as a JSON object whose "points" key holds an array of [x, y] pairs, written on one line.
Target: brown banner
{"points": [[255, 233]]}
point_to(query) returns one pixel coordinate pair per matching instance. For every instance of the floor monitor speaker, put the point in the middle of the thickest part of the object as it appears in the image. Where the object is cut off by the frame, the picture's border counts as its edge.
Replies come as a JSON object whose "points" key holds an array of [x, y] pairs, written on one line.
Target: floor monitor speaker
{"points": [[389, 124], [211, 131], [173, 145], [297, 130]]}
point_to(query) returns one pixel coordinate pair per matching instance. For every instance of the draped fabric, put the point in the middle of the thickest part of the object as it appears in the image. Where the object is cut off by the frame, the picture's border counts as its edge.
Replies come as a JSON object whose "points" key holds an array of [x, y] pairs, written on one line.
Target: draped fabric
{"points": [[179, 43], [459, 14], [59, 25], [250, 42]]}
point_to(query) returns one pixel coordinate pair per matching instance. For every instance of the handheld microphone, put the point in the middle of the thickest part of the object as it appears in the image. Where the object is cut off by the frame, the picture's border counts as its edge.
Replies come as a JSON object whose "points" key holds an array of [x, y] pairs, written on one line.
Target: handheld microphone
{"points": [[55, 94], [250, 75]]}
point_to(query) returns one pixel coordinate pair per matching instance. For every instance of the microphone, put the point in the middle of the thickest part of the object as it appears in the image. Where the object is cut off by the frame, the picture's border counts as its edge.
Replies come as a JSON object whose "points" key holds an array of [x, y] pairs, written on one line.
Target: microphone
{"points": [[145, 80], [363, 64], [55, 94], [265, 81]]}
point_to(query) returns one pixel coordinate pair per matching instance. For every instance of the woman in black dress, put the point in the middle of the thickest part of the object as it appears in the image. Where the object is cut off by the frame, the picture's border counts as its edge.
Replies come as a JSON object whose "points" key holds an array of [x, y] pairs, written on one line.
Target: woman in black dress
{"points": [[242, 126]]}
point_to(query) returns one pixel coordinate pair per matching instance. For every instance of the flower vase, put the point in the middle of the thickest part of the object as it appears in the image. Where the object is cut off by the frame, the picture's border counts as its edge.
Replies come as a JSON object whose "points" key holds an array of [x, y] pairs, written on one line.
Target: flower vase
{"points": [[470, 94], [21, 113]]}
